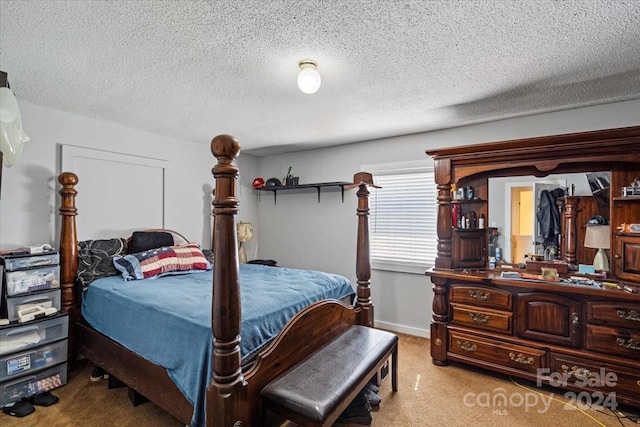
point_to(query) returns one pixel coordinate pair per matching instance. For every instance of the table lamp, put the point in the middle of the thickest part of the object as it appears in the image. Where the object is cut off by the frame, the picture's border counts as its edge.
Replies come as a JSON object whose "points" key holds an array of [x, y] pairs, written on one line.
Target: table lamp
{"points": [[598, 236], [245, 233]]}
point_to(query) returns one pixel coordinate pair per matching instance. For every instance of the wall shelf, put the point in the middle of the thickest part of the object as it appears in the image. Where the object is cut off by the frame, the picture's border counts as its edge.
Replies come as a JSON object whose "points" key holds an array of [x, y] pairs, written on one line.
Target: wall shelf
{"points": [[305, 187]]}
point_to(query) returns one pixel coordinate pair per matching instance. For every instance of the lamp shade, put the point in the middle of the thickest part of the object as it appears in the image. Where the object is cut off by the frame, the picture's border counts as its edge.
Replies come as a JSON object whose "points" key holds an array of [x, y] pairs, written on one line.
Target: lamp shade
{"points": [[597, 236], [308, 79], [245, 231]]}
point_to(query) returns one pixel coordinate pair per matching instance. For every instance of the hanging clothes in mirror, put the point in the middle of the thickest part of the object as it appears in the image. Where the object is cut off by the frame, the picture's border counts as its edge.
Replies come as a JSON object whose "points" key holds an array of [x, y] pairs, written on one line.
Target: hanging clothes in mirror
{"points": [[548, 217]]}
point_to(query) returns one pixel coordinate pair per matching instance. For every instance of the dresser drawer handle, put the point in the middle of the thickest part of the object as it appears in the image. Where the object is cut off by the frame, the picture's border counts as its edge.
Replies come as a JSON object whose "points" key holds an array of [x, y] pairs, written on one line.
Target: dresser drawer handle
{"points": [[630, 343], [479, 295], [467, 346], [576, 372], [629, 315], [575, 321], [479, 318], [521, 358]]}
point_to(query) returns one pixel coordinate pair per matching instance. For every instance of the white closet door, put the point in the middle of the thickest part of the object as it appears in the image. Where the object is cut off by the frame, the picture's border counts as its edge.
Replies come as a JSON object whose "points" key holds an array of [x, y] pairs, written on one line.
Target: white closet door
{"points": [[117, 193]]}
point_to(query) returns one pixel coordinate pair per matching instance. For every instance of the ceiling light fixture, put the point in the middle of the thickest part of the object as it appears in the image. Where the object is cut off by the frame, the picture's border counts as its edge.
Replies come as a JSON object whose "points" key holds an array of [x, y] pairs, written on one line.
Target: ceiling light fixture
{"points": [[309, 78]]}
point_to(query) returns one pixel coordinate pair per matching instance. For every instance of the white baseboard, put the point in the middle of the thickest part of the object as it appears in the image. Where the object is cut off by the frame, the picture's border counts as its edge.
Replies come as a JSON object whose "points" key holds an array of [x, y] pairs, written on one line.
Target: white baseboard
{"points": [[409, 330]]}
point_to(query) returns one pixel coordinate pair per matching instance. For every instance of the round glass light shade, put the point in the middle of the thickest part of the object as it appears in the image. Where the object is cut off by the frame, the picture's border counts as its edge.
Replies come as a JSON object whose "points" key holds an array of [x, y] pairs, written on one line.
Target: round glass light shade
{"points": [[309, 78]]}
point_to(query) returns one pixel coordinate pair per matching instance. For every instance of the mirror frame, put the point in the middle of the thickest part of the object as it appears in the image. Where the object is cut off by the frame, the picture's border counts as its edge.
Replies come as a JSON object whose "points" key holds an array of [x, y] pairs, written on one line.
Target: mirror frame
{"points": [[610, 149]]}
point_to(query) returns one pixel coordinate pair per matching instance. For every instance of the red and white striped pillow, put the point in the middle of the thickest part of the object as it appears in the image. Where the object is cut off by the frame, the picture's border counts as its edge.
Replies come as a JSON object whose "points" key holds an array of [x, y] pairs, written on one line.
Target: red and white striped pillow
{"points": [[162, 261]]}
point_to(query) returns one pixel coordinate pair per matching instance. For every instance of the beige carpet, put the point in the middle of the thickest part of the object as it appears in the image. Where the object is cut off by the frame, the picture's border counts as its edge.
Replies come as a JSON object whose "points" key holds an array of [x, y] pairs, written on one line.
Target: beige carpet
{"points": [[428, 396]]}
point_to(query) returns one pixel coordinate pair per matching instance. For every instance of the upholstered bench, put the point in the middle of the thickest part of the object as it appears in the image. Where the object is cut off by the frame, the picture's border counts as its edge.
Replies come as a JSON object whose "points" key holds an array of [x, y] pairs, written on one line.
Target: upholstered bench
{"points": [[317, 390]]}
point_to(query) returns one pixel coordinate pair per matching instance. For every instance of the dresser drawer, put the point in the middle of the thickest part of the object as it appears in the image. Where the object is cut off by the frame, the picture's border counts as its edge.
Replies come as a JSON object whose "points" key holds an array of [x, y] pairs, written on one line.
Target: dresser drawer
{"points": [[33, 360], [480, 295], [23, 336], [44, 299], [30, 261], [623, 314], [35, 279], [28, 385], [482, 318], [614, 341], [496, 353], [594, 376], [628, 388]]}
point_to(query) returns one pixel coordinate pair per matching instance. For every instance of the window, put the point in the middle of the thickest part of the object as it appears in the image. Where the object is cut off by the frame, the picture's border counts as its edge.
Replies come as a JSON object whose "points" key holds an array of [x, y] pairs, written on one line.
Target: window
{"points": [[403, 219]]}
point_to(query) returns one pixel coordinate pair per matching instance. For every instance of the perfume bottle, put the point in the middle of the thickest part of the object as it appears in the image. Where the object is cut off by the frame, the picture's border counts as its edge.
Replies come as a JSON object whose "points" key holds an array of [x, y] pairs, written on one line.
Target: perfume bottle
{"points": [[455, 215]]}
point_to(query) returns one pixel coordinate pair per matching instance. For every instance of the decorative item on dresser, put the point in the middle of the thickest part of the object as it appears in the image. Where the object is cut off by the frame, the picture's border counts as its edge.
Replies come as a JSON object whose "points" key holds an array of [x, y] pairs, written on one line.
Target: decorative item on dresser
{"points": [[598, 237], [519, 323], [230, 389]]}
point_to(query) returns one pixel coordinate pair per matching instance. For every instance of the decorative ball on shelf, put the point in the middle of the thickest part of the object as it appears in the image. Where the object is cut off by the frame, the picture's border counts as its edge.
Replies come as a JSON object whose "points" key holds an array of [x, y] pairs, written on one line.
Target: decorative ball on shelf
{"points": [[258, 183]]}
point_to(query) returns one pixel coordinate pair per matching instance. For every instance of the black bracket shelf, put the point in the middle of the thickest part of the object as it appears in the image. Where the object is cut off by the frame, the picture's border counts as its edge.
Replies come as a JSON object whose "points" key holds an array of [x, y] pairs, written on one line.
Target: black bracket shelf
{"points": [[317, 186]]}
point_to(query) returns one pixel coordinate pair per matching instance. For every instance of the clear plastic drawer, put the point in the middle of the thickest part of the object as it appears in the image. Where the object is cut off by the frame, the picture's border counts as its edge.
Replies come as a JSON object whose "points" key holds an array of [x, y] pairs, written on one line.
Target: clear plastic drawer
{"points": [[27, 362], [28, 385], [35, 279], [21, 337], [31, 261], [41, 299]]}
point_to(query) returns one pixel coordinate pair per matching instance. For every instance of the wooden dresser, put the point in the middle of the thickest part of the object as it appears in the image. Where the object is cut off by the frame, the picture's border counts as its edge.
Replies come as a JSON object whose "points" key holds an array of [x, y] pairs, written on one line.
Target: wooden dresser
{"points": [[576, 337]]}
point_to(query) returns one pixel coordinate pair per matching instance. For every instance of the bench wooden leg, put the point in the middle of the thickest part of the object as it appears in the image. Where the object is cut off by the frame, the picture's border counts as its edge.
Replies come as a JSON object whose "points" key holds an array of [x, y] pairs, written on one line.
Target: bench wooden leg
{"points": [[394, 369]]}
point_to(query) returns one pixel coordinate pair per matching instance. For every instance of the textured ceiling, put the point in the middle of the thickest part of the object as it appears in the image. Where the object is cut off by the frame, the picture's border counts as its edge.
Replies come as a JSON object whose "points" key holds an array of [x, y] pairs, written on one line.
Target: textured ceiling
{"points": [[194, 69]]}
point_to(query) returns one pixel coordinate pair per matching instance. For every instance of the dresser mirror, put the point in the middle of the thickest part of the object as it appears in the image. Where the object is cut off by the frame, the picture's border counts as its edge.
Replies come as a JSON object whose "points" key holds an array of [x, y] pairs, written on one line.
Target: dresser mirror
{"points": [[514, 200]]}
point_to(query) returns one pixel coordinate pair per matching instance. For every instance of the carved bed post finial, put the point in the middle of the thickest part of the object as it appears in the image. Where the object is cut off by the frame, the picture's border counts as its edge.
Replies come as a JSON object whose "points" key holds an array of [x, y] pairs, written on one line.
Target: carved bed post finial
{"points": [[363, 263], [226, 312], [68, 239], [69, 252]]}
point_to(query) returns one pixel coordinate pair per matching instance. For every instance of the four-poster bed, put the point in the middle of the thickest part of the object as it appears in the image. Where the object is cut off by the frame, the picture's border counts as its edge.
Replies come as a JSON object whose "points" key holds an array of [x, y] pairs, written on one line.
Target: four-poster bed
{"points": [[233, 390]]}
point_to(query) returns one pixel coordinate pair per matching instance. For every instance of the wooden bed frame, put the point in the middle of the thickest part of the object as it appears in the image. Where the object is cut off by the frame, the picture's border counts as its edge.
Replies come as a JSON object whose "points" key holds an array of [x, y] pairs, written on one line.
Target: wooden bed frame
{"points": [[233, 395]]}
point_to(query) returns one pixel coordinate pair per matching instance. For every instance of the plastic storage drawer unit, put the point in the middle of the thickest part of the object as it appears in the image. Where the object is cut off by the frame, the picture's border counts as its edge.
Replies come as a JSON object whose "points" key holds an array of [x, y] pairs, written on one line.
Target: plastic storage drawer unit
{"points": [[16, 338], [36, 359], [44, 299], [39, 382], [34, 279], [30, 261]]}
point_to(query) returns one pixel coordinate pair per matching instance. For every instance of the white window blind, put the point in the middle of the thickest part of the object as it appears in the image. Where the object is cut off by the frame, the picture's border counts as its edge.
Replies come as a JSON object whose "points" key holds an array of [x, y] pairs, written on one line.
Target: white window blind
{"points": [[403, 218]]}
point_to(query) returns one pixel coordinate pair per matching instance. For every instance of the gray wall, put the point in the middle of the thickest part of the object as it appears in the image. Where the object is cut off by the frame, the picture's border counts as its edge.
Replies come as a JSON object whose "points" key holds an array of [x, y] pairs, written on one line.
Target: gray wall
{"points": [[29, 200], [297, 231], [300, 232]]}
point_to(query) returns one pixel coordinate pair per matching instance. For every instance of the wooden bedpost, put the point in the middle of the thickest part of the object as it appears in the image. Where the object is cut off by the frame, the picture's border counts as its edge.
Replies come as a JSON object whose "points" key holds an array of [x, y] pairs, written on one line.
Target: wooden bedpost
{"points": [[69, 254], [363, 263], [223, 394], [569, 209]]}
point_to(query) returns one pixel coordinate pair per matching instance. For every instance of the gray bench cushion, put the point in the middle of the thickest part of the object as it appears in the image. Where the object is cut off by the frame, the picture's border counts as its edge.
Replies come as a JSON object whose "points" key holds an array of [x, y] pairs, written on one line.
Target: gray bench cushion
{"points": [[317, 386]]}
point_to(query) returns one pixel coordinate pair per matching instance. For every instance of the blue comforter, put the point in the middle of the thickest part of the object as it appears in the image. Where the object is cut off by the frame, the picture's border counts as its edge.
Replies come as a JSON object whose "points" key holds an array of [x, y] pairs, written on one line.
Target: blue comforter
{"points": [[168, 320]]}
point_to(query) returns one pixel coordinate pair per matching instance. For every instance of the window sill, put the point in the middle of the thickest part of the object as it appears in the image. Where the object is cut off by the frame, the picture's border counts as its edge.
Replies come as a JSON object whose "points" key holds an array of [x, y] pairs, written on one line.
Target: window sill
{"points": [[400, 268]]}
